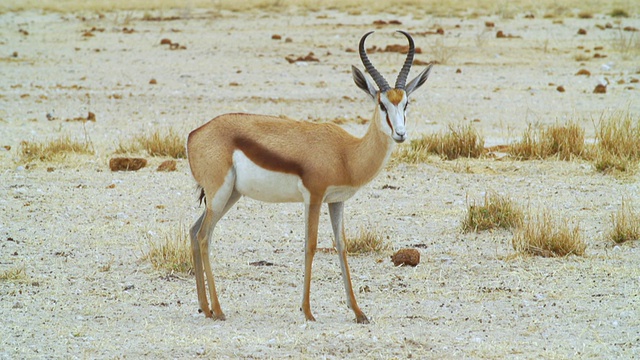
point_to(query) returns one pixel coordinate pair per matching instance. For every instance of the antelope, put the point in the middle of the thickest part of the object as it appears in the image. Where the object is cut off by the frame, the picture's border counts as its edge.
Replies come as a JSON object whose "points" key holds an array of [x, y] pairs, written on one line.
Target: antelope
{"points": [[275, 159]]}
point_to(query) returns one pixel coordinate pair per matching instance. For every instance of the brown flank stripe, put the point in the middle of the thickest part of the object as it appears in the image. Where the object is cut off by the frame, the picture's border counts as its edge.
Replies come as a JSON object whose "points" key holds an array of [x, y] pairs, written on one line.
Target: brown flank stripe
{"points": [[266, 158]]}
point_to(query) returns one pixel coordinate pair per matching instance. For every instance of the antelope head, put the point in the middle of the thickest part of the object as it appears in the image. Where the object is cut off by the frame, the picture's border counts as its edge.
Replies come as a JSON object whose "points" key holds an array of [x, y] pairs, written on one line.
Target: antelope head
{"points": [[391, 103]]}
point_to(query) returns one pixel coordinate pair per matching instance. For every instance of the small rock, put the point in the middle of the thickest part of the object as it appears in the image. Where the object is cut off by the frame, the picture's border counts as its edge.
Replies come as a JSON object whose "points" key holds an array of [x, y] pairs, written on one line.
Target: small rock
{"points": [[127, 164], [168, 165], [600, 89], [409, 257]]}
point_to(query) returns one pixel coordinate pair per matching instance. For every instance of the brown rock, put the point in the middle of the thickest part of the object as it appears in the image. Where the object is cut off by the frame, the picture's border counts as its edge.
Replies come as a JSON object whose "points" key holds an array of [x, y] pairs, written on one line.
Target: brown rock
{"points": [[127, 164], [560, 88], [582, 32], [169, 165], [583, 72], [409, 257], [165, 41], [600, 89]]}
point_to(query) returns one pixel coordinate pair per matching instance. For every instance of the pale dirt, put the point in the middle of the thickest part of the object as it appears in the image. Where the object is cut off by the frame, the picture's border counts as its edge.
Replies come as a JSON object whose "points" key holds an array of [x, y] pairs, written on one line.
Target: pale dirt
{"points": [[88, 294]]}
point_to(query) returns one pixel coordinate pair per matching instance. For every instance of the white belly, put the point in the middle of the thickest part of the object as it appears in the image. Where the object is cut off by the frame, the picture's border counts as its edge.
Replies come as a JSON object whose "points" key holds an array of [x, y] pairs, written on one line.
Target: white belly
{"points": [[339, 193], [265, 185]]}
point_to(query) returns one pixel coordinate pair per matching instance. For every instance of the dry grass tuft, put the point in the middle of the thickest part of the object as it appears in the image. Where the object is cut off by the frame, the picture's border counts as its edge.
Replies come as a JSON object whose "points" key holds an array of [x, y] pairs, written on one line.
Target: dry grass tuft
{"points": [[496, 212], [367, 241], [542, 236], [618, 144], [157, 144], [563, 141], [14, 274], [461, 141], [626, 225], [172, 253], [53, 149]]}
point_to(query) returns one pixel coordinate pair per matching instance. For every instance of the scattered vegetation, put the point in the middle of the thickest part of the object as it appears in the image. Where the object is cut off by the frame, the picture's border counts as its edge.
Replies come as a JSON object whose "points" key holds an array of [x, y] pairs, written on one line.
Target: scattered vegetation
{"points": [[626, 225], [627, 43], [367, 241], [585, 15], [53, 149], [441, 53], [617, 145], [461, 141], [542, 236], [496, 212], [13, 274], [172, 253], [618, 13], [563, 141], [156, 144]]}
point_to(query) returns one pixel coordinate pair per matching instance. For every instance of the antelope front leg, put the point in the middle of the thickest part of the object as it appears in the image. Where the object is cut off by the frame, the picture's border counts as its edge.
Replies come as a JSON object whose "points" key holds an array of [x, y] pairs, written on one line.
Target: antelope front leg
{"points": [[312, 216], [336, 214]]}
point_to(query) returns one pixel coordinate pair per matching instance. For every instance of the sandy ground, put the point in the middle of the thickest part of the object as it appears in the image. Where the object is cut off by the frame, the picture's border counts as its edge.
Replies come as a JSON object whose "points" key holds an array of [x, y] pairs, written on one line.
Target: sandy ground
{"points": [[88, 294]]}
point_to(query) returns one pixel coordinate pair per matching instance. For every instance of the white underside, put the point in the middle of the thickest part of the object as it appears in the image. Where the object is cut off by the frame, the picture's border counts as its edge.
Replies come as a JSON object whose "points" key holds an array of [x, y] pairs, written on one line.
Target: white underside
{"points": [[271, 186]]}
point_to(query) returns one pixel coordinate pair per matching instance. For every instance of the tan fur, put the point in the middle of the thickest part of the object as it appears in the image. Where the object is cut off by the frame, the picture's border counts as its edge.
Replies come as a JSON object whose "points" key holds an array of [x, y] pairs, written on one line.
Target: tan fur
{"points": [[395, 96], [321, 155]]}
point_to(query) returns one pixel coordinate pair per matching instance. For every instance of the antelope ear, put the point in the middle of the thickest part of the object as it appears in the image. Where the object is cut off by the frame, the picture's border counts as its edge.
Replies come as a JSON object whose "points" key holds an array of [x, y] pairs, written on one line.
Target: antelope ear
{"points": [[363, 82], [418, 80]]}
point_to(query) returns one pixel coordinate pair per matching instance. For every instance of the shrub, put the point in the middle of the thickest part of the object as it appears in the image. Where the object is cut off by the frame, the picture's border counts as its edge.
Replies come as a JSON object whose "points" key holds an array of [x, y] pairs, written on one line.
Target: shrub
{"points": [[542, 236], [496, 212], [53, 149], [461, 141], [563, 141], [617, 143], [366, 241], [172, 253], [626, 225], [156, 144]]}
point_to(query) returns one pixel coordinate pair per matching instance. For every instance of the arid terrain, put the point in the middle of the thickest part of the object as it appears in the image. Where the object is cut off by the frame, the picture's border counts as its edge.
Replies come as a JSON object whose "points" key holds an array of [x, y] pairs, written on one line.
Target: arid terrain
{"points": [[78, 231]]}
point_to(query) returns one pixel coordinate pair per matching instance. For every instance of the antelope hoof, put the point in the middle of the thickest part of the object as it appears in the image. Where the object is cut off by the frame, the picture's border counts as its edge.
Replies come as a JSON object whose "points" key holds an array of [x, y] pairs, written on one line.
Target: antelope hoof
{"points": [[362, 319], [308, 316], [220, 317], [207, 312]]}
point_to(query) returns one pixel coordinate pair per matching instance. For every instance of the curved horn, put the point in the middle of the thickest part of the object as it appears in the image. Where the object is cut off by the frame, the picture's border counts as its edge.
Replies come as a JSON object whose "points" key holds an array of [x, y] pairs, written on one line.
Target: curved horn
{"points": [[380, 81], [404, 73]]}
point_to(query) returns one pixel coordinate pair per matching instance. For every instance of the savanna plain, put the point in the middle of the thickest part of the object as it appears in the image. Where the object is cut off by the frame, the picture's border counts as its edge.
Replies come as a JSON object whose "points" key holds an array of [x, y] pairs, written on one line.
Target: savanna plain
{"points": [[77, 278]]}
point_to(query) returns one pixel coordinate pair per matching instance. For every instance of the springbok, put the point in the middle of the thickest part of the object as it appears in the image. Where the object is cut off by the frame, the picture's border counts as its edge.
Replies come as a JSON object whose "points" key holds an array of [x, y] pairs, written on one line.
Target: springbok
{"points": [[282, 160]]}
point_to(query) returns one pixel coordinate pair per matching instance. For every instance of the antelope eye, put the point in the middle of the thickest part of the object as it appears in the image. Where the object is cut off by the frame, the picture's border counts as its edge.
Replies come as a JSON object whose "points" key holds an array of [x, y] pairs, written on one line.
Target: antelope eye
{"points": [[383, 107]]}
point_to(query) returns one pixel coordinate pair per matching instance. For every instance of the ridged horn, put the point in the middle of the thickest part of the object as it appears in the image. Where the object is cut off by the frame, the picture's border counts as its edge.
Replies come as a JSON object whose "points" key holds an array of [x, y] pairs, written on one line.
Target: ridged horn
{"points": [[401, 81], [380, 81]]}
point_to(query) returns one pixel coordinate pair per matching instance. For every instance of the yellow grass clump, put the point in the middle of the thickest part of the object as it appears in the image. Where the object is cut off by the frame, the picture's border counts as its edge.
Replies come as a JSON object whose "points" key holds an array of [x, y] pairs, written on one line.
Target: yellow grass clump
{"points": [[53, 149], [617, 145], [563, 141], [626, 225], [172, 253], [542, 236], [13, 274], [156, 144], [367, 241], [496, 212], [460, 141]]}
